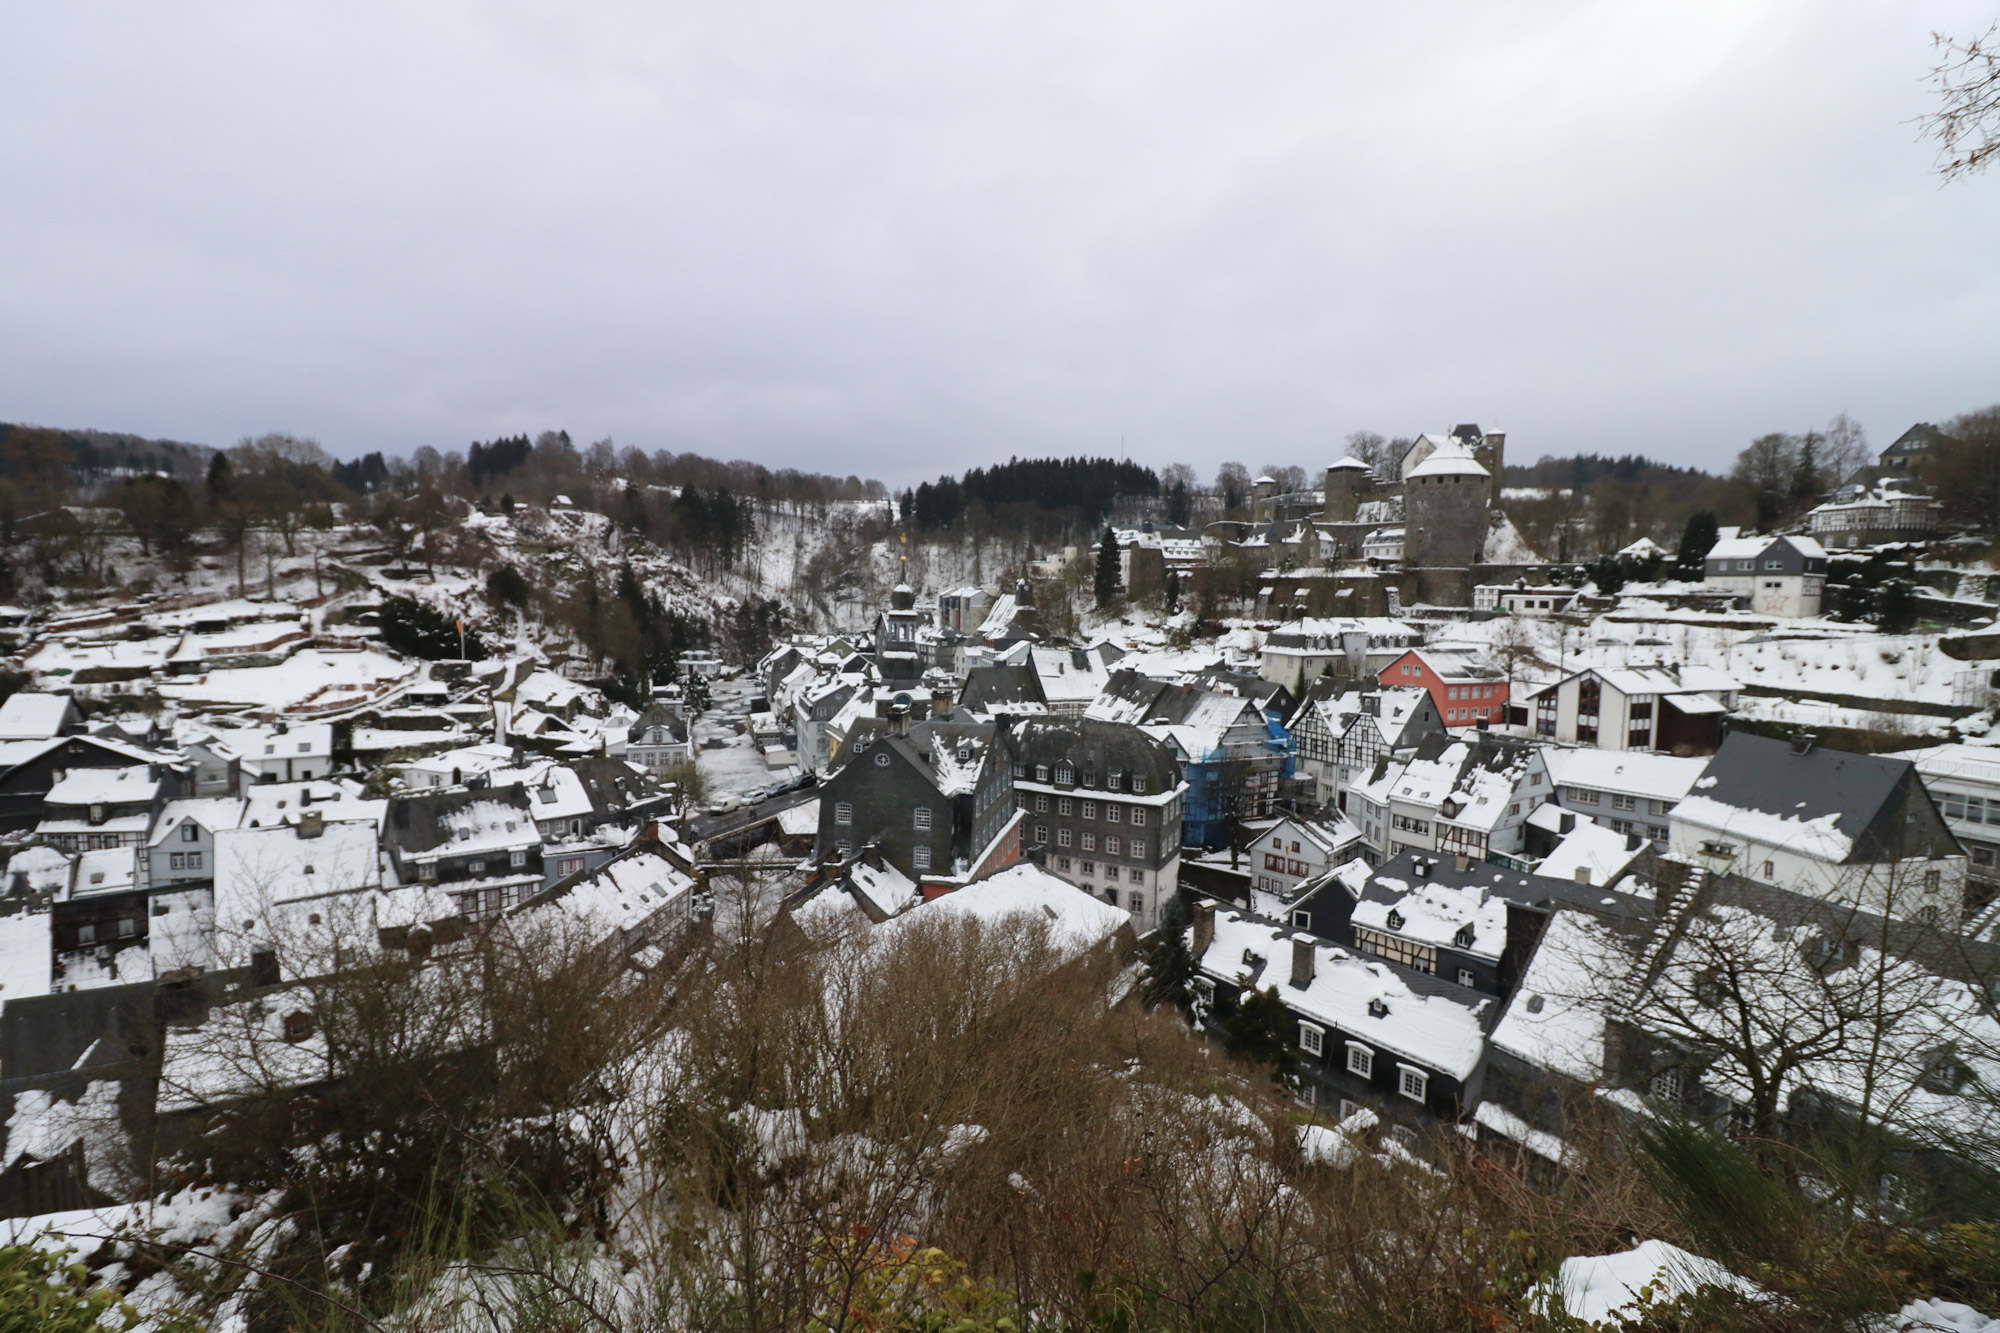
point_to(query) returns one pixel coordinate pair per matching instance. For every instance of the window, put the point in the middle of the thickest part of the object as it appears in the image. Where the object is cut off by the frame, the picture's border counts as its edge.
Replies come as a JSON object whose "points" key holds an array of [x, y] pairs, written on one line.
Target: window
{"points": [[1138, 784], [1089, 810], [921, 858], [1062, 863], [1465, 978], [1136, 849], [1302, 920], [1312, 1040], [127, 927], [843, 848], [1360, 1060], [1666, 1085], [477, 867], [923, 819], [1041, 772], [427, 870], [1064, 805], [1111, 846], [1932, 880], [1065, 774], [517, 857], [1770, 870], [1063, 836], [177, 862], [1138, 902], [1136, 876], [1114, 781], [1041, 804], [86, 933], [194, 860], [1583, 795], [1348, 1107], [298, 1026], [882, 760], [843, 813], [190, 833], [1086, 868], [1138, 816], [1090, 842], [1620, 801], [1113, 813], [1404, 1137], [1413, 1083]]}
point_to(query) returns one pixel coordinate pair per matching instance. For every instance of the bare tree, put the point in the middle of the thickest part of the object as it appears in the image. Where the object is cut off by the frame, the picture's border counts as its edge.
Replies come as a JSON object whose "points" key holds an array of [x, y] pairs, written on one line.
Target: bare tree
{"points": [[1365, 446], [1966, 124]]}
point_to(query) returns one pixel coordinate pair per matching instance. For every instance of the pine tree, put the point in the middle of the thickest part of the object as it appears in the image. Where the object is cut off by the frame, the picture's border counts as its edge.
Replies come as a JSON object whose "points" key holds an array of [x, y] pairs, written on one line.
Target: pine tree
{"points": [[1173, 592], [1697, 539], [1105, 585], [1178, 507], [1167, 960], [1262, 1030]]}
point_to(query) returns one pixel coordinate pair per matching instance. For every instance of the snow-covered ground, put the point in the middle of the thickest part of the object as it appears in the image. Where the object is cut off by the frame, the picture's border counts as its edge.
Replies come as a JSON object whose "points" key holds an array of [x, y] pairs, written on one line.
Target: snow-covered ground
{"points": [[736, 767]]}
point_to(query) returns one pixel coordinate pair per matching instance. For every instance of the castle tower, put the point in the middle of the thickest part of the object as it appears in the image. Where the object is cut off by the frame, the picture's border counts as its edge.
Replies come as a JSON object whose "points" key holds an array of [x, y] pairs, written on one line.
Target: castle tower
{"points": [[1492, 455], [1444, 521], [1345, 481]]}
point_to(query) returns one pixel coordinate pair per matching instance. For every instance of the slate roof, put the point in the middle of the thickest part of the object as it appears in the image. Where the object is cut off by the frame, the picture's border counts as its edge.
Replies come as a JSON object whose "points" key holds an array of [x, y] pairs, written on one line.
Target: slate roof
{"points": [[1858, 793], [1097, 748], [1008, 688], [1922, 438]]}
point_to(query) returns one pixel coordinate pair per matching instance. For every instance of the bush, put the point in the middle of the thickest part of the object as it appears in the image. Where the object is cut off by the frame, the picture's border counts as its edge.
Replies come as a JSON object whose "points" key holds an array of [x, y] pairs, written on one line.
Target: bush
{"points": [[417, 629]]}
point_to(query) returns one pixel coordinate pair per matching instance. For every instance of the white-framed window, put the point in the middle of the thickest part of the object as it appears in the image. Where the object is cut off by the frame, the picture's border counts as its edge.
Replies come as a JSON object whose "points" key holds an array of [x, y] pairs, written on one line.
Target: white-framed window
{"points": [[1404, 1137], [1063, 805], [177, 862], [1348, 1106], [1137, 876], [1360, 1060], [1139, 816], [1041, 772], [1465, 977], [1089, 810], [1090, 842], [1063, 837], [843, 813], [1412, 1082], [843, 849], [1138, 784], [921, 858], [1111, 845], [1041, 804], [1666, 1085], [190, 833], [1312, 1040], [923, 819], [1137, 902], [427, 870], [1113, 812], [1302, 920], [477, 867], [1204, 990], [517, 857]]}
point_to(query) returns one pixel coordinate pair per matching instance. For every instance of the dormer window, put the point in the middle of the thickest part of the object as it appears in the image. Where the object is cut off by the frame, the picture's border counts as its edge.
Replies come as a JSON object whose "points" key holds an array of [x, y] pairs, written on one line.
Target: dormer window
{"points": [[1395, 919], [1114, 781], [1378, 1009], [1065, 774], [1138, 784], [1463, 939]]}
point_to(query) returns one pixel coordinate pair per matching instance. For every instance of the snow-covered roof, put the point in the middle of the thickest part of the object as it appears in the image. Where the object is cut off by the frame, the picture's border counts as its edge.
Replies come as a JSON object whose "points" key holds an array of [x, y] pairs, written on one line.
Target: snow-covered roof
{"points": [[26, 958], [1350, 463], [1077, 921], [109, 870], [1435, 914], [213, 813], [1433, 1023], [1592, 850], [28, 716], [105, 786], [1555, 1018], [1449, 459], [624, 894], [1661, 777]]}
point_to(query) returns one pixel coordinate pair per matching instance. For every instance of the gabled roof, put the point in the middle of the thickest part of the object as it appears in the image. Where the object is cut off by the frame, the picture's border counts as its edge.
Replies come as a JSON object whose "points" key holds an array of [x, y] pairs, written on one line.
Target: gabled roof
{"points": [[1827, 804], [1922, 438]]}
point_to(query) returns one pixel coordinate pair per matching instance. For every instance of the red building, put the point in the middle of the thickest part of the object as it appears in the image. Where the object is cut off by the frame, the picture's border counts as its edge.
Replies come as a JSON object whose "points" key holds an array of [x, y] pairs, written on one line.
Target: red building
{"points": [[1466, 690]]}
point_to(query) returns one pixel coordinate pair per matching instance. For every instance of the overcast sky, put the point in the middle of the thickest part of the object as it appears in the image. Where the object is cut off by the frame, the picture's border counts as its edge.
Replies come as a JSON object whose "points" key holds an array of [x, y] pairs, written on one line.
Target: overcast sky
{"points": [[899, 239]]}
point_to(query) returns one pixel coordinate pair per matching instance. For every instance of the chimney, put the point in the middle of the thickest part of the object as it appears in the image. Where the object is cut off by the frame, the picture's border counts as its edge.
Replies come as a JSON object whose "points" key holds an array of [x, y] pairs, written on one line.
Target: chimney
{"points": [[941, 701], [899, 718], [1461, 862], [1204, 929], [1304, 959], [1582, 875], [313, 824]]}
